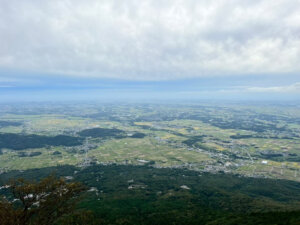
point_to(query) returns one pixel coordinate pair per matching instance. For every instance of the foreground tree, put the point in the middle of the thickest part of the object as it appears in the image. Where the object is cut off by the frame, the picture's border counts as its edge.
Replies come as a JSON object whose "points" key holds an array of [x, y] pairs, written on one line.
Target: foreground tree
{"points": [[40, 203]]}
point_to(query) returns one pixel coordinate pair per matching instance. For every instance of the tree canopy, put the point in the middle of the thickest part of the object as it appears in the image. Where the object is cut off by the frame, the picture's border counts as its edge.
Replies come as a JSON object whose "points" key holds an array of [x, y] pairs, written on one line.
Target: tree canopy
{"points": [[42, 202]]}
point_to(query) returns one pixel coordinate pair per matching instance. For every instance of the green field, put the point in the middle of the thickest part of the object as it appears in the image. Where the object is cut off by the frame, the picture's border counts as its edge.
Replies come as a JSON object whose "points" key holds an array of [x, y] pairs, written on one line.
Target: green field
{"points": [[233, 138]]}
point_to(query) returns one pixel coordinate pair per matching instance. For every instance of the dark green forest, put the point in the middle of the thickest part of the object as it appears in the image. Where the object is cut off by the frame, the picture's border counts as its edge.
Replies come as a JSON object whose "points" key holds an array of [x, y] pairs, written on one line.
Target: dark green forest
{"points": [[146, 195], [101, 132], [105, 133], [22, 141]]}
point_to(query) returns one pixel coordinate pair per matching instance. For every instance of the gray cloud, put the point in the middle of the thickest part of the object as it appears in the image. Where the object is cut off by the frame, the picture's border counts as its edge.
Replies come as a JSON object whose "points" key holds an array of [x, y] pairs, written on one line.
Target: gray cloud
{"points": [[150, 40]]}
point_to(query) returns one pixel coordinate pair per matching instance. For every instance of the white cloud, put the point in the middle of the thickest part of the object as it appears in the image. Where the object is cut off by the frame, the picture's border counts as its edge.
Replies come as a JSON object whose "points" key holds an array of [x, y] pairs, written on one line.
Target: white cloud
{"points": [[293, 89], [150, 40], [284, 89]]}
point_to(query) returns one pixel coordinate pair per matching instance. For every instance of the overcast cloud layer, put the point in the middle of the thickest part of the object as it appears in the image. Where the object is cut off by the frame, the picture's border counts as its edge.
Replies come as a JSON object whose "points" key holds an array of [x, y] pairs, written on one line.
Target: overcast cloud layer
{"points": [[150, 40]]}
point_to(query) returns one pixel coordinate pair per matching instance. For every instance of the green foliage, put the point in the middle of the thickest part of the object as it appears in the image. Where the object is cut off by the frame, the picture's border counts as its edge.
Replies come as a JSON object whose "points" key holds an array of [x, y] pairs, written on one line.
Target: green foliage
{"points": [[138, 135], [102, 133], [239, 136], [28, 154], [56, 153], [157, 197], [193, 140], [20, 141], [79, 217], [39, 202]]}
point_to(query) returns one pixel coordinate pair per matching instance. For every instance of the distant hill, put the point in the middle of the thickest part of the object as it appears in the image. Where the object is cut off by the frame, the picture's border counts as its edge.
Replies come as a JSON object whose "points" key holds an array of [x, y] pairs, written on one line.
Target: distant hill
{"points": [[9, 123]]}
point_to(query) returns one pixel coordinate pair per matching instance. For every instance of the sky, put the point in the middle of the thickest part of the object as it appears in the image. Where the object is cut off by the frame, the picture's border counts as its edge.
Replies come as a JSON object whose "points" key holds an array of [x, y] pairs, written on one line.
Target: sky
{"points": [[171, 49]]}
